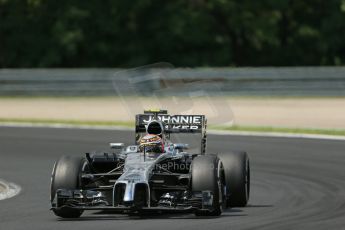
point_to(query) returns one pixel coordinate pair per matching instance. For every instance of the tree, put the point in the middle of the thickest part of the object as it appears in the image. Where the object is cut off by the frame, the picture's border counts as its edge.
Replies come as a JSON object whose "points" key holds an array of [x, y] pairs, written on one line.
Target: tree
{"points": [[77, 33]]}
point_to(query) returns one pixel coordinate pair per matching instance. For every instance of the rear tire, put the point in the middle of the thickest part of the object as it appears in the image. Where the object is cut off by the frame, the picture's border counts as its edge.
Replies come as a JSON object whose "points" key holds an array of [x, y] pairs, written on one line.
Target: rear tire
{"points": [[66, 175], [237, 177], [206, 176]]}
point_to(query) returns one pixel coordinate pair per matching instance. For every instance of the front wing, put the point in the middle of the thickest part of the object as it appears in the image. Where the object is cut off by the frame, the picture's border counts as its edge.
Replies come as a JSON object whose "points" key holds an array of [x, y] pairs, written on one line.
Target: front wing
{"points": [[95, 201]]}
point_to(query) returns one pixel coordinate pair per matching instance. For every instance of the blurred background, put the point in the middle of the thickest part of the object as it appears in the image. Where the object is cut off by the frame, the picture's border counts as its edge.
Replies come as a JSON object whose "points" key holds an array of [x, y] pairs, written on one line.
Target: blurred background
{"points": [[192, 33], [274, 65]]}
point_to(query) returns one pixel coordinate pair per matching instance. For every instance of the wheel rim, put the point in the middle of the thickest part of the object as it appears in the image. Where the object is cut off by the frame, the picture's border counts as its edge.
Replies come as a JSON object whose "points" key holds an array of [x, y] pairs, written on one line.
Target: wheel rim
{"points": [[222, 186], [247, 180]]}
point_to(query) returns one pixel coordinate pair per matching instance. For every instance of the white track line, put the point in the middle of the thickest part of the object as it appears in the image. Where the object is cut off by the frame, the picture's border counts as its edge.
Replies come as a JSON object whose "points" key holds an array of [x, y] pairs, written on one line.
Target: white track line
{"points": [[213, 132], [8, 190]]}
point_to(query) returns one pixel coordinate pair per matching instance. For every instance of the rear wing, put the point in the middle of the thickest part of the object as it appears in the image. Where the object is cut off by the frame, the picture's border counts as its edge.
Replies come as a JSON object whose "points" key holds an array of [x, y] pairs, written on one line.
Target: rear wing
{"points": [[173, 124]]}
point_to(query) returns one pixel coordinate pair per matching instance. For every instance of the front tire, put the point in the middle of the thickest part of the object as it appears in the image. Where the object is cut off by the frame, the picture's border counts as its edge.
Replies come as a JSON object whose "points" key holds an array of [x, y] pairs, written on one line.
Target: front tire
{"points": [[237, 177], [207, 176], [66, 175]]}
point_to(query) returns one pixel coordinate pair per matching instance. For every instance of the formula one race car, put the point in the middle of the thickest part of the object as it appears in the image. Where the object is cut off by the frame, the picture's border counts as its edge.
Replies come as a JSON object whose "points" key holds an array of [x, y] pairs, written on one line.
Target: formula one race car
{"points": [[153, 175]]}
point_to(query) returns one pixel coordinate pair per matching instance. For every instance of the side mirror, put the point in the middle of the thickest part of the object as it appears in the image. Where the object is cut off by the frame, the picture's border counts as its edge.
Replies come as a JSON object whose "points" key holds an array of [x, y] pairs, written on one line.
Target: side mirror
{"points": [[181, 146], [116, 145], [131, 149]]}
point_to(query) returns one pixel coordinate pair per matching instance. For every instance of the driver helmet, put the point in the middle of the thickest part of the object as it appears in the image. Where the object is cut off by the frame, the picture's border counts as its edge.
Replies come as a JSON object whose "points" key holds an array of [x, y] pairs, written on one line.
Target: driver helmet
{"points": [[152, 144]]}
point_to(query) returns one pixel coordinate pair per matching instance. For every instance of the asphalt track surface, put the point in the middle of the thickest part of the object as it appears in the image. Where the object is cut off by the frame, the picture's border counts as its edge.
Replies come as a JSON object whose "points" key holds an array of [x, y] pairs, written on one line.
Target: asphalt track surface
{"points": [[296, 183]]}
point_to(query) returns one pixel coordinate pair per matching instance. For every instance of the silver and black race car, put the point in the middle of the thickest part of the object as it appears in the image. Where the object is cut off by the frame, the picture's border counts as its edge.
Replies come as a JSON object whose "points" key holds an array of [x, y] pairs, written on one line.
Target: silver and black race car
{"points": [[132, 180]]}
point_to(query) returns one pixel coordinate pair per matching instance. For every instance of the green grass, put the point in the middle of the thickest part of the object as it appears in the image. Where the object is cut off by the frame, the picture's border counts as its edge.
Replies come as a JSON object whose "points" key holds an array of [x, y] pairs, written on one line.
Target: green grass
{"points": [[335, 132], [68, 122], [129, 124]]}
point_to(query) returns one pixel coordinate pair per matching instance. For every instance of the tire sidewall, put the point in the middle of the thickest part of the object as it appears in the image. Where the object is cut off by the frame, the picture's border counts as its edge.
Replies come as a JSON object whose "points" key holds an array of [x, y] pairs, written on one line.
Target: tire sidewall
{"points": [[66, 175], [204, 179], [237, 177]]}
